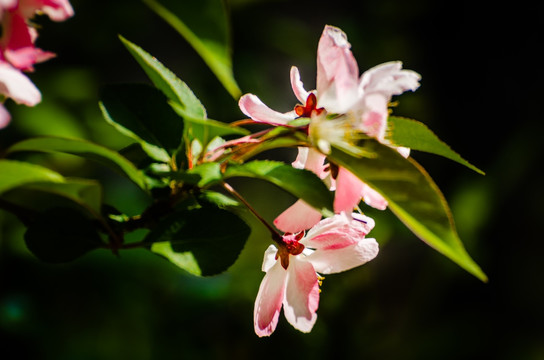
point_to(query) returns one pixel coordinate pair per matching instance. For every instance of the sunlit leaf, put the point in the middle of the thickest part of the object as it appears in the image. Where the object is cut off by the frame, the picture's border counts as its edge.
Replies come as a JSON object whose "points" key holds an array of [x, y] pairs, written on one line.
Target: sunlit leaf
{"points": [[204, 25], [16, 173], [417, 136], [167, 82], [413, 197], [301, 183], [203, 241], [86, 150], [61, 235]]}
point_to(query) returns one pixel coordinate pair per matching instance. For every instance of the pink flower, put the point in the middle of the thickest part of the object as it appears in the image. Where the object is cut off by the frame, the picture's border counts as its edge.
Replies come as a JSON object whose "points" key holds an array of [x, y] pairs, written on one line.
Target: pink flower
{"points": [[343, 104], [334, 245], [17, 50]]}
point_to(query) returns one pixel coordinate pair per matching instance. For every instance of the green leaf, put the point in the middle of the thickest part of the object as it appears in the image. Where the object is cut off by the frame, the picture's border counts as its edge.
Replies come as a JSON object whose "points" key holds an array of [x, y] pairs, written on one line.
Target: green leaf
{"points": [[61, 235], [142, 113], [204, 130], [85, 193], [203, 241], [25, 176], [301, 183], [167, 82], [15, 173], [417, 136], [205, 27], [413, 197], [86, 150]]}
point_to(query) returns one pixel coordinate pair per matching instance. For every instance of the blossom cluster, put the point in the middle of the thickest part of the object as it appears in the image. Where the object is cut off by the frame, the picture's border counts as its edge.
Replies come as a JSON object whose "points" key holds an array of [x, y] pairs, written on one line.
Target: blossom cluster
{"points": [[18, 52], [343, 106]]}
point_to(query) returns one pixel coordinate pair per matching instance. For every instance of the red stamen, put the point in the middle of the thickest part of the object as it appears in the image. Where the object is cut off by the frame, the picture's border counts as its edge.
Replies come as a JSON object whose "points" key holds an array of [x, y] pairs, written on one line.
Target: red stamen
{"points": [[310, 106]]}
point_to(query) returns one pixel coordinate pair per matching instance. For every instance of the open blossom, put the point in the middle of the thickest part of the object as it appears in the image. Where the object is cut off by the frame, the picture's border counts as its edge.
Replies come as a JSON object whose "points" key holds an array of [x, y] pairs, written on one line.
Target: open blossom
{"points": [[17, 50], [343, 104], [334, 245]]}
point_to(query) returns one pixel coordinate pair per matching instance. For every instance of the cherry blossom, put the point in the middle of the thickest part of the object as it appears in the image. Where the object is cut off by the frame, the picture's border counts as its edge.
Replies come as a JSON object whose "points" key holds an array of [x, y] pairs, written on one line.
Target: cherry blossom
{"points": [[292, 277], [343, 104]]}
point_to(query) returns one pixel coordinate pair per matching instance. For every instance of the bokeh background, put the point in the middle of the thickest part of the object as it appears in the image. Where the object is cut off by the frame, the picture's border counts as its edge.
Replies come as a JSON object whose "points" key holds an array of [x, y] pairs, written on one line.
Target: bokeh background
{"points": [[480, 93]]}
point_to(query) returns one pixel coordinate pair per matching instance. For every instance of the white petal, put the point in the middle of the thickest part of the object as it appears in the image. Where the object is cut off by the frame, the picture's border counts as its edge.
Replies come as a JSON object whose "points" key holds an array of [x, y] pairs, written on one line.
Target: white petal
{"points": [[389, 79], [269, 300], [14, 84], [253, 107], [336, 260], [301, 295], [269, 258]]}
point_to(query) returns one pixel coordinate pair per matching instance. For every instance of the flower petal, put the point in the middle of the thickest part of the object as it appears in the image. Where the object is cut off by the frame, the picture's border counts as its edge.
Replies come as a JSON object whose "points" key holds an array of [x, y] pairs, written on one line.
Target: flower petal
{"points": [[5, 117], [298, 217], [373, 198], [301, 295], [337, 72], [341, 258], [298, 86], [389, 79], [338, 231], [253, 107], [269, 300], [349, 189], [16, 85]]}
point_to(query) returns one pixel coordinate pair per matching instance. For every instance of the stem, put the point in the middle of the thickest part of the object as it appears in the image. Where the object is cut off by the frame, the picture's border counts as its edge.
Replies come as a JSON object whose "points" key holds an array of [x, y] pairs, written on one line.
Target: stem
{"points": [[275, 235]]}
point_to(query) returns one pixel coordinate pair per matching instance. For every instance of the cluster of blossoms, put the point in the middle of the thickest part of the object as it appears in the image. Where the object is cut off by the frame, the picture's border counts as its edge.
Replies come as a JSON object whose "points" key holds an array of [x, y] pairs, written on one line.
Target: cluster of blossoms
{"points": [[343, 107], [18, 53]]}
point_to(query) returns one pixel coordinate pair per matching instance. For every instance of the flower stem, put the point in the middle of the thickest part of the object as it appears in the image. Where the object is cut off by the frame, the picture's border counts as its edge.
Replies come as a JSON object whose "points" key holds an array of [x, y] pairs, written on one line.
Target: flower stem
{"points": [[275, 235]]}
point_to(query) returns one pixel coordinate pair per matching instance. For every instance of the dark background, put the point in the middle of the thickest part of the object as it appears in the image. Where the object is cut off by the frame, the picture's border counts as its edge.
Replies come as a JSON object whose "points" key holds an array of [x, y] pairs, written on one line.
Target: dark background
{"points": [[480, 92]]}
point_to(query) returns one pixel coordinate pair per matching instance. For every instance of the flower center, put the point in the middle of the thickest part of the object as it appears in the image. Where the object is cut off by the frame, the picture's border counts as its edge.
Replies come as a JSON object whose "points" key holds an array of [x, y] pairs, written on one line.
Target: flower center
{"points": [[310, 106], [290, 246]]}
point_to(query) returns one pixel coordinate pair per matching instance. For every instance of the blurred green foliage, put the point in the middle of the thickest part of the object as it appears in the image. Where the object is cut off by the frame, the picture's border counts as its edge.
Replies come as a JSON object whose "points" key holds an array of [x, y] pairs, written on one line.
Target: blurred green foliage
{"points": [[409, 303]]}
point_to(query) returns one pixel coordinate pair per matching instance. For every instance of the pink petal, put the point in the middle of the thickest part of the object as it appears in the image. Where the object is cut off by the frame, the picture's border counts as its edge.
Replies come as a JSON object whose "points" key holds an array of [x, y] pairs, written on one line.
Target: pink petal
{"points": [[58, 10], [348, 191], [298, 217], [348, 253], [315, 163], [5, 117], [337, 72], [253, 107], [269, 300], [301, 295], [374, 119], [372, 198], [16, 85], [298, 86], [349, 228]]}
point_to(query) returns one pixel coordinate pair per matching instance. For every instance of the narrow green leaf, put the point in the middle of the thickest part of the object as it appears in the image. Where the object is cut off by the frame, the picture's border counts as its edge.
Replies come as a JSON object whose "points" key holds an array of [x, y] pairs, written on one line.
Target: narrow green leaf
{"points": [[204, 130], [413, 197], [203, 241], [86, 150], [417, 136], [15, 173], [166, 81], [142, 113], [61, 235], [204, 25], [301, 183]]}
